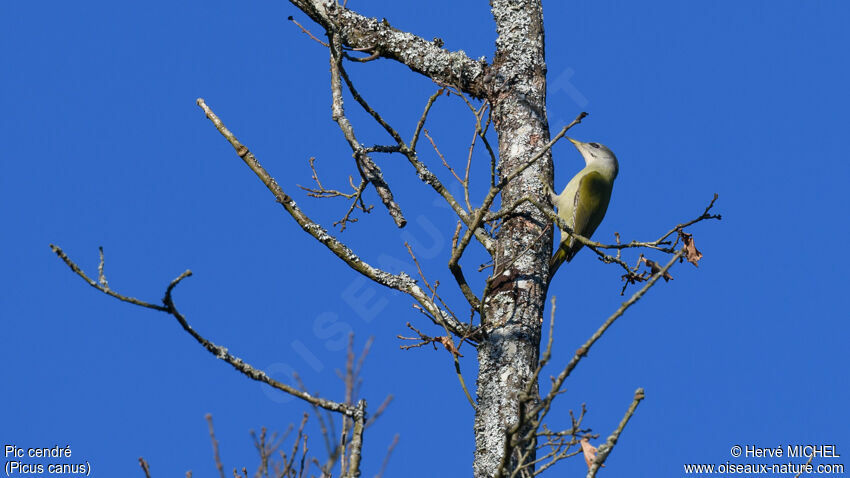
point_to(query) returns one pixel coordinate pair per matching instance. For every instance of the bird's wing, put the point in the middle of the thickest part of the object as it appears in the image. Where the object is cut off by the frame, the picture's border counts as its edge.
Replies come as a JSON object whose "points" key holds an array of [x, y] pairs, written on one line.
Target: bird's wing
{"points": [[591, 202]]}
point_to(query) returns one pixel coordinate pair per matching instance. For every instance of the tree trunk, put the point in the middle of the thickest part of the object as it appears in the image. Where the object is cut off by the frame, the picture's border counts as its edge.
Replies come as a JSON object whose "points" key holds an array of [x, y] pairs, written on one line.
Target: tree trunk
{"points": [[514, 302]]}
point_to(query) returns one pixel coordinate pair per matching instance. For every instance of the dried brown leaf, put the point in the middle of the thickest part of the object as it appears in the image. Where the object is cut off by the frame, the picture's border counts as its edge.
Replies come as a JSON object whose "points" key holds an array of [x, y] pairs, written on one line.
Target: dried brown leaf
{"points": [[655, 268], [692, 254], [589, 452]]}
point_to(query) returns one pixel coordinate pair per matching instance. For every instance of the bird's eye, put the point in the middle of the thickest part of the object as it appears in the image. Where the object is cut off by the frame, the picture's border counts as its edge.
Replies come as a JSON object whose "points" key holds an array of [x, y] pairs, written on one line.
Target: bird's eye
{"points": [[595, 145]]}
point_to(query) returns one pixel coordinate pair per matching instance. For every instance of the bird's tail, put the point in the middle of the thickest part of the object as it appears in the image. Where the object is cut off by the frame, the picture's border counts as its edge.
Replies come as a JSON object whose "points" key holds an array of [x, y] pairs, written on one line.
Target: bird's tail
{"points": [[556, 261]]}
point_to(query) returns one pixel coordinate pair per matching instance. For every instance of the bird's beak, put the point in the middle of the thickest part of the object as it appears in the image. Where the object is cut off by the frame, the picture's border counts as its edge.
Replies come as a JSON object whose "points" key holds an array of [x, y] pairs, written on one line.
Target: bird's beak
{"points": [[576, 143]]}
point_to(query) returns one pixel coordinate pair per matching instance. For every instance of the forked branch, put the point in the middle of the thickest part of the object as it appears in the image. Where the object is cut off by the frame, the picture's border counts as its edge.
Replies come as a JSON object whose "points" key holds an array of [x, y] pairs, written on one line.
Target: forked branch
{"points": [[368, 169], [353, 414], [401, 282], [220, 352]]}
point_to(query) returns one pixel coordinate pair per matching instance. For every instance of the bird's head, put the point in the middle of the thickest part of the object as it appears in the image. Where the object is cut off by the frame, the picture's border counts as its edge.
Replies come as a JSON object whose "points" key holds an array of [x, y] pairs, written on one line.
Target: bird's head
{"points": [[597, 154]]}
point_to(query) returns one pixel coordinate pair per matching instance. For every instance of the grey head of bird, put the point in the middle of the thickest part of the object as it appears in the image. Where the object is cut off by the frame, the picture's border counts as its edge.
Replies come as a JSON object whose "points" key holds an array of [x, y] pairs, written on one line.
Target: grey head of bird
{"points": [[598, 156]]}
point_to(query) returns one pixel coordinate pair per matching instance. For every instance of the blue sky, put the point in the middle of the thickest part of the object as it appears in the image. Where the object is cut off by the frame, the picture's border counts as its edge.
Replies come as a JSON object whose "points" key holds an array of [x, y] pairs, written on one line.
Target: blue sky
{"points": [[103, 145]]}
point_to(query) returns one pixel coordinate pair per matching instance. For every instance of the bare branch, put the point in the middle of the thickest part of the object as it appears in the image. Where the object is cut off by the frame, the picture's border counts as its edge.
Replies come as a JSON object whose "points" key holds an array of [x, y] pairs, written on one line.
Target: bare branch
{"points": [[536, 414], [443, 159], [288, 464], [145, 467], [431, 179], [356, 414], [374, 56], [608, 446], [219, 351], [545, 403], [379, 411], [401, 282], [103, 286], [356, 445], [409, 151], [432, 288], [420, 55], [266, 449], [425, 175], [357, 202], [808, 463], [362, 101], [457, 273], [387, 456], [447, 342], [217, 457], [421, 123], [327, 436], [561, 443], [307, 31], [368, 169], [480, 132], [356, 196], [545, 149]]}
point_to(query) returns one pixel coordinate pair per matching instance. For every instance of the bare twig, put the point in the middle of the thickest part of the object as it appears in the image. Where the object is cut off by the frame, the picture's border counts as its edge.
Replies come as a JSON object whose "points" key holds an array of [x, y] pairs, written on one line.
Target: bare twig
{"points": [[401, 282], [447, 342], [545, 149], [480, 132], [220, 352], [327, 436], [145, 467], [288, 464], [560, 443], [368, 169], [307, 32], [374, 56], [357, 202], [379, 411], [661, 244], [483, 212], [536, 413], [217, 457], [322, 192], [431, 288], [543, 406], [608, 446], [808, 463], [103, 287], [266, 449], [442, 158], [362, 102], [421, 123], [425, 175], [387, 456]]}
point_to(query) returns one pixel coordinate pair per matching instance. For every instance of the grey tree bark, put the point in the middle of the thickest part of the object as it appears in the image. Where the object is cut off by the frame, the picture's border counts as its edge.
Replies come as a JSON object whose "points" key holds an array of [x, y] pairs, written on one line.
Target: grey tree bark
{"points": [[508, 353]]}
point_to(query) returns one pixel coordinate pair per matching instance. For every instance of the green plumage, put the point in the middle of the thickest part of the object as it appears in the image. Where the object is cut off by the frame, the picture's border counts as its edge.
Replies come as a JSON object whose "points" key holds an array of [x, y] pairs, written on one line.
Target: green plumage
{"points": [[584, 201]]}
